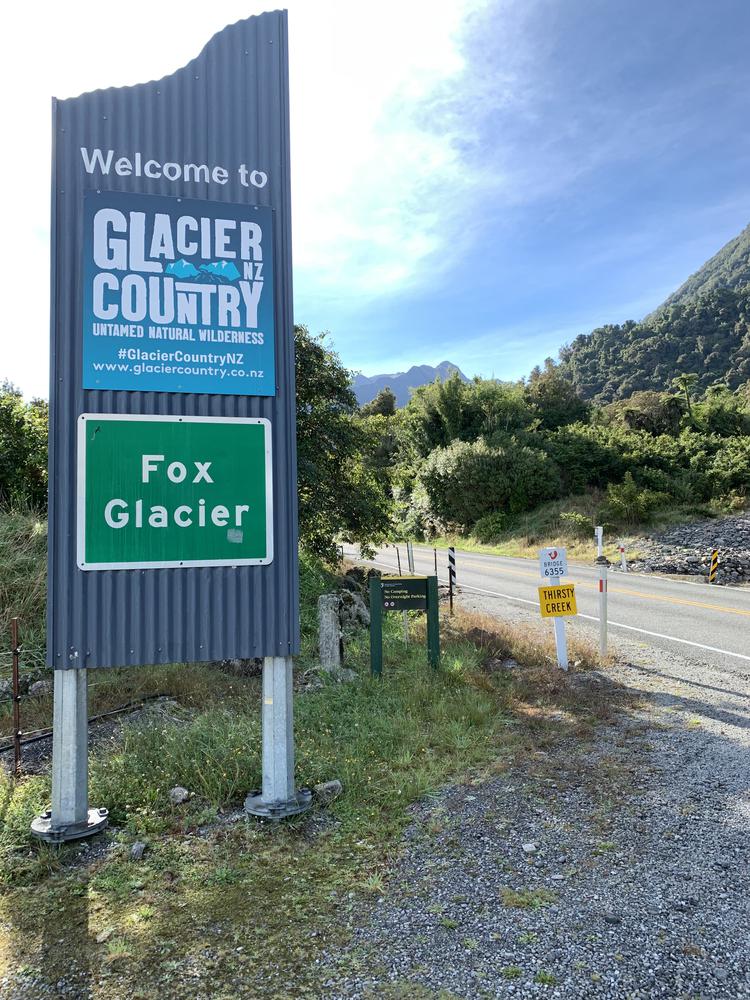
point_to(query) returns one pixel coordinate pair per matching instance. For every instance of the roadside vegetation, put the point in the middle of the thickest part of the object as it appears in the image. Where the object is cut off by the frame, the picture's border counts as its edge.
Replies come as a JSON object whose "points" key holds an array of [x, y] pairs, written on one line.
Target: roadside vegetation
{"points": [[221, 906], [225, 904], [513, 465]]}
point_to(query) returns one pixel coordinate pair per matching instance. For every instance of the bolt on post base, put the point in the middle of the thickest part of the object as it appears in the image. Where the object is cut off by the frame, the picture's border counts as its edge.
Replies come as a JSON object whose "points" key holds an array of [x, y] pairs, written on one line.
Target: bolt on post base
{"points": [[43, 829], [300, 802]]}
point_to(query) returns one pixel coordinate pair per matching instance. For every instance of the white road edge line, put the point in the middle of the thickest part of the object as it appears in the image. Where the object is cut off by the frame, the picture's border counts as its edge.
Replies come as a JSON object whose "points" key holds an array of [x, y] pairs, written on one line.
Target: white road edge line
{"points": [[593, 618], [631, 628]]}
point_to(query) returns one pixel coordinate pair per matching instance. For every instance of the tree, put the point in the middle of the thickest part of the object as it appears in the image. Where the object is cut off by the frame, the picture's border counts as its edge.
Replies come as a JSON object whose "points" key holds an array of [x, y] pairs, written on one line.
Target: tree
{"points": [[383, 404], [340, 494], [554, 398], [23, 448], [685, 383], [470, 480]]}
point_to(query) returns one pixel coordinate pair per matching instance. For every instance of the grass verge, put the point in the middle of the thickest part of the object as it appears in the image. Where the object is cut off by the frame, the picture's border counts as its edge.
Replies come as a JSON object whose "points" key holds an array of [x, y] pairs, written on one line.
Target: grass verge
{"points": [[222, 907]]}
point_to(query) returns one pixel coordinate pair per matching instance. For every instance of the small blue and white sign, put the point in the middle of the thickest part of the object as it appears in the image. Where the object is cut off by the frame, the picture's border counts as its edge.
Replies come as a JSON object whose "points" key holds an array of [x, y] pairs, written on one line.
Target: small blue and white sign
{"points": [[178, 295]]}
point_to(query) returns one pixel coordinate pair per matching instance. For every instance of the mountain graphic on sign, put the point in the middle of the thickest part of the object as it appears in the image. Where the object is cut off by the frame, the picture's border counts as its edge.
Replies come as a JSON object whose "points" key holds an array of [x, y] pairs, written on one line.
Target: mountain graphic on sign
{"points": [[223, 270], [182, 269]]}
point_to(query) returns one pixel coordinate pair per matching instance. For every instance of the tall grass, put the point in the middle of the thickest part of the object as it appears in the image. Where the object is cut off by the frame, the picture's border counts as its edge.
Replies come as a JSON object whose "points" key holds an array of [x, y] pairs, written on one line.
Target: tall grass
{"points": [[23, 580]]}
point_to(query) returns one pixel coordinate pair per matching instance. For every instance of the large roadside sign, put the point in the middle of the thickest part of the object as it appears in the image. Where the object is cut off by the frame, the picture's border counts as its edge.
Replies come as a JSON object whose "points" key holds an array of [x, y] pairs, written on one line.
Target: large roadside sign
{"points": [[157, 492], [173, 510]]}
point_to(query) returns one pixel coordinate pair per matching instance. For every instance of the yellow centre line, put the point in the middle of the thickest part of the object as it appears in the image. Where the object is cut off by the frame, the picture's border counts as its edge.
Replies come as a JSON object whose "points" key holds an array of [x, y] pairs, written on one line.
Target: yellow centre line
{"points": [[616, 590]]}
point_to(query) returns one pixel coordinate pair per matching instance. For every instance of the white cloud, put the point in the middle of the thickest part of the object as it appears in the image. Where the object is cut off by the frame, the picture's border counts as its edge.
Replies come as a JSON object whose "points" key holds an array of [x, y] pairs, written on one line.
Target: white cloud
{"points": [[369, 171]]}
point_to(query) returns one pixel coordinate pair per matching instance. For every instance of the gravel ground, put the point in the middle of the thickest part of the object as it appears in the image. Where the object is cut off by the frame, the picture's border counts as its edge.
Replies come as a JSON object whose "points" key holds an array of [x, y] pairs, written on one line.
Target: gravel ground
{"points": [[615, 870]]}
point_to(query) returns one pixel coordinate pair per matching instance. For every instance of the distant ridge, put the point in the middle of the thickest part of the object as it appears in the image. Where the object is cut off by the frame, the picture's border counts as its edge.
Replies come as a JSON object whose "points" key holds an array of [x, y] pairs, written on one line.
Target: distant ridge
{"points": [[702, 329], [367, 387], [729, 268]]}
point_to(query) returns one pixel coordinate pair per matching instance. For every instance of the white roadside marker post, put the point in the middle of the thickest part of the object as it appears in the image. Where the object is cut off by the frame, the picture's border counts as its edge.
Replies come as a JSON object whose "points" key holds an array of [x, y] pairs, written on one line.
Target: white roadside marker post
{"points": [[602, 564], [623, 560], [553, 569], [278, 798], [561, 641]]}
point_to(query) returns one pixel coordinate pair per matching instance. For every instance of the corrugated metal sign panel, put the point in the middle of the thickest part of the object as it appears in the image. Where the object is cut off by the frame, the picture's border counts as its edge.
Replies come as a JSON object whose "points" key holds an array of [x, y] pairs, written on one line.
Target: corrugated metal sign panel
{"points": [[227, 107]]}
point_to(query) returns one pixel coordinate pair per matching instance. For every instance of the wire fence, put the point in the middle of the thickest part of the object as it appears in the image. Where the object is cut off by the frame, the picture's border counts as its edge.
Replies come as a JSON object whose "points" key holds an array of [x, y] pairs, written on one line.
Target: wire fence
{"points": [[21, 669]]}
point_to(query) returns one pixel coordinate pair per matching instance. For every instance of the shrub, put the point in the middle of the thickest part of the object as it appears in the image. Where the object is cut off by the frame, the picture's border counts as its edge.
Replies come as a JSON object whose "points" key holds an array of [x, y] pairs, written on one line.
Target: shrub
{"points": [[468, 481], [23, 449], [628, 503], [489, 528], [576, 524]]}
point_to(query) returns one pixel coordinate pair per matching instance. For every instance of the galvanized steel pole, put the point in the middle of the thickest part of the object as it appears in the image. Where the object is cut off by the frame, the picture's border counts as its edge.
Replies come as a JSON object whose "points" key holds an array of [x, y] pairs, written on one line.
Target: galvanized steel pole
{"points": [[70, 817], [277, 798]]}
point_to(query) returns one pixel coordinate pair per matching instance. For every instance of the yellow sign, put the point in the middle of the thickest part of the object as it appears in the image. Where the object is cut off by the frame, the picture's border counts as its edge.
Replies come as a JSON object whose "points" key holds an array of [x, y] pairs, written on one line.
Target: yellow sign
{"points": [[558, 602]]}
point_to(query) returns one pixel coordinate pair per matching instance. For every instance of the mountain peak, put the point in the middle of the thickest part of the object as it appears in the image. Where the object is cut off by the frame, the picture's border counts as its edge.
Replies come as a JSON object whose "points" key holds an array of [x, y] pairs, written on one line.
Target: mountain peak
{"points": [[402, 384]]}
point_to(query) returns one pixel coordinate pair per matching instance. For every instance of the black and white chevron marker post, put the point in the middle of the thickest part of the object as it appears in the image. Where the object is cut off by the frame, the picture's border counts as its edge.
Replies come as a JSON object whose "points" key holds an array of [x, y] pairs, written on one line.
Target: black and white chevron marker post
{"points": [[451, 575]]}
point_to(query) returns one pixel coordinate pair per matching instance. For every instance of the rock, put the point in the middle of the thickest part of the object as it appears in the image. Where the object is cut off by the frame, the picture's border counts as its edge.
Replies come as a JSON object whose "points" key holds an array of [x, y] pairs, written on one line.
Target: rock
{"points": [[178, 795], [353, 610], [138, 850], [40, 688], [330, 647], [104, 935], [612, 918], [327, 791], [346, 675], [243, 668], [529, 848], [498, 664]]}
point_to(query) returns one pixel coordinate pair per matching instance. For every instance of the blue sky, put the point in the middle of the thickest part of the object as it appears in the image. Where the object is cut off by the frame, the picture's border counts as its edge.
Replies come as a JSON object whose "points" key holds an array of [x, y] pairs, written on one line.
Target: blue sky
{"points": [[473, 180], [601, 155]]}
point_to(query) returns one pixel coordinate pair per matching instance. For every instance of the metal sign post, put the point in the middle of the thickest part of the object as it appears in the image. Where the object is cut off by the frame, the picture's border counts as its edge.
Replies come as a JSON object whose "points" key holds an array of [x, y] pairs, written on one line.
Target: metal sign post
{"points": [[602, 563], [277, 798], [70, 817], [561, 644]]}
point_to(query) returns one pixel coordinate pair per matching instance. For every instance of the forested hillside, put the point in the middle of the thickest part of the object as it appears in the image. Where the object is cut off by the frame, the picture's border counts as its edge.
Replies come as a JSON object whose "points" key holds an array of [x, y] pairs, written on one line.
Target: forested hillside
{"points": [[477, 458], [708, 337], [729, 268], [703, 329]]}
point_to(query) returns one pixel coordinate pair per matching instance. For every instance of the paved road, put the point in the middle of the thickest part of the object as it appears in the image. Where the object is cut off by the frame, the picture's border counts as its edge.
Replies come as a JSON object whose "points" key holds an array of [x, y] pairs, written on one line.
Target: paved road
{"points": [[711, 622]]}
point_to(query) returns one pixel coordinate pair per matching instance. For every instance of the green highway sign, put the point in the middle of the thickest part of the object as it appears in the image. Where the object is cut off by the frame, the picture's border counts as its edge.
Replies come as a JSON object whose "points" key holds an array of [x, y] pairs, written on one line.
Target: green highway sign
{"points": [[156, 492]]}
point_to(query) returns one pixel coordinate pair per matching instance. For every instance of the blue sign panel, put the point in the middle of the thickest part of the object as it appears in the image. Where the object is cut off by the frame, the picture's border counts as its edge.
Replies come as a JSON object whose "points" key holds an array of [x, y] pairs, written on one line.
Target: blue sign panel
{"points": [[178, 295]]}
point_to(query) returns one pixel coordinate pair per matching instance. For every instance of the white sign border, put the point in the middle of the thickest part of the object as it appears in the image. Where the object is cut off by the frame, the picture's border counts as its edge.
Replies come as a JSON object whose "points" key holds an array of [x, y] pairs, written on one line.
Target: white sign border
{"points": [[174, 563]]}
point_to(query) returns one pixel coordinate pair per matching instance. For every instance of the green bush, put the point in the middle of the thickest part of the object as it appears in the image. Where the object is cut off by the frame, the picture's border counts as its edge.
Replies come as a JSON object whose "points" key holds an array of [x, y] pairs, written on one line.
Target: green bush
{"points": [[23, 449], [576, 524], [467, 481], [490, 527], [628, 503]]}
